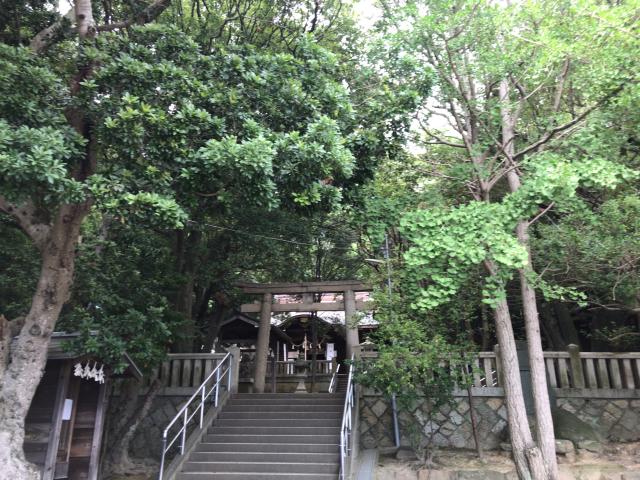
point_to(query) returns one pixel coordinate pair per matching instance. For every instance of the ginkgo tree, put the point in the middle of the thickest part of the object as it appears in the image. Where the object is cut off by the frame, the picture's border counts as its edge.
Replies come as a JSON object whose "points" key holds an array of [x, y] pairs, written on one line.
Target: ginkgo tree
{"points": [[512, 82]]}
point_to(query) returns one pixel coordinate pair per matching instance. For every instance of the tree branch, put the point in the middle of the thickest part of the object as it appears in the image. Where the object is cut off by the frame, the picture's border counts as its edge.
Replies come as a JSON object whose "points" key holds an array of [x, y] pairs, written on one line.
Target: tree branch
{"points": [[561, 82], [551, 134], [542, 212], [25, 215], [145, 16], [44, 37]]}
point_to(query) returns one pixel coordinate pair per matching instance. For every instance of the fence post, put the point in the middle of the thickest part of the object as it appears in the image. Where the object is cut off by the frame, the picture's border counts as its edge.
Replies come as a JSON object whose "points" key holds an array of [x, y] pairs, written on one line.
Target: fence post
{"points": [[496, 350], [577, 373], [235, 367], [274, 373]]}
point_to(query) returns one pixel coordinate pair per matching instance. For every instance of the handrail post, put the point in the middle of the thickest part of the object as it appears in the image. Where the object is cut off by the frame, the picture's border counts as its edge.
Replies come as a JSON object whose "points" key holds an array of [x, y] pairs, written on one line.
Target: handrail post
{"points": [[215, 403], [164, 451], [347, 423], [184, 431], [229, 370], [202, 405]]}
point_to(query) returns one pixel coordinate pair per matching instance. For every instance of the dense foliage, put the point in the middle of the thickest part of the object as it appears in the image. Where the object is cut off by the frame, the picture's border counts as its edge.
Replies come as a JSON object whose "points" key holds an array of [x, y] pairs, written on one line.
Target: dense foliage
{"points": [[468, 148]]}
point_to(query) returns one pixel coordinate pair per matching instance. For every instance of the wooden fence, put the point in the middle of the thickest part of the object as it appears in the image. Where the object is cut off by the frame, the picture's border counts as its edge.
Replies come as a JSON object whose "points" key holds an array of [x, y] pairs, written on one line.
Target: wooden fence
{"points": [[593, 371], [183, 373], [569, 374], [286, 369]]}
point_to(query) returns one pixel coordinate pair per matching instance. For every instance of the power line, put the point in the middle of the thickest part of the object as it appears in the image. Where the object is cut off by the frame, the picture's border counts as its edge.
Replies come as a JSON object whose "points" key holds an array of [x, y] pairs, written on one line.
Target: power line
{"points": [[257, 235]]}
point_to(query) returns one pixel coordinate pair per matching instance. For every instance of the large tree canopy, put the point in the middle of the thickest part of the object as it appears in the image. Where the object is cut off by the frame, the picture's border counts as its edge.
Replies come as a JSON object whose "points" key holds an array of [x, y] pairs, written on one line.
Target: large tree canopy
{"points": [[153, 153]]}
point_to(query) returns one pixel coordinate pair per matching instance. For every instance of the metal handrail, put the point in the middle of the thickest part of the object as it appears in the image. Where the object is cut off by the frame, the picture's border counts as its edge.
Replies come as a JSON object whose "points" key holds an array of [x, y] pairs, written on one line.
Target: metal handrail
{"points": [[346, 439], [203, 394], [333, 384]]}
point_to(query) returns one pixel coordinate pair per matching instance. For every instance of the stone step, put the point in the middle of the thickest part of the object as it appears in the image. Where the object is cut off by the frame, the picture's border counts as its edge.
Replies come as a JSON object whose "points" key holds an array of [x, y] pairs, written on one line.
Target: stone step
{"points": [[271, 430], [254, 476], [271, 436], [281, 395], [230, 438], [262, 447], [282, 414], [271, 457], [332, 400], [265, 467], [278, 422], [284, 408]]}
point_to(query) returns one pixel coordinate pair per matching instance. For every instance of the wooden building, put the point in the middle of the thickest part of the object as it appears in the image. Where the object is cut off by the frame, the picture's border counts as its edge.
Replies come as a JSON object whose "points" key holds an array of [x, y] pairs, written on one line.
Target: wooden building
{"points": [[64, 426], [242, 330]]}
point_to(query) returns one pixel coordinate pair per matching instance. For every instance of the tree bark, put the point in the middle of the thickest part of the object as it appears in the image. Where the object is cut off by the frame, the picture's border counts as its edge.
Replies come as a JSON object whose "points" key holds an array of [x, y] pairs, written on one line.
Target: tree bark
{"points": [[566, 323], [28, 355], [84, 19], [552, 329], [119, 462], [545, 433], [186, 262], [486, 334], [221, 309], [526, 455], [56, 239]]}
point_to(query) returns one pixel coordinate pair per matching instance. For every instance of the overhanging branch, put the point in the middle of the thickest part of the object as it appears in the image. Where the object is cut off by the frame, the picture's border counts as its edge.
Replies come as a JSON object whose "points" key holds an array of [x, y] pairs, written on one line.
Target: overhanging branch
{"points": [[25, 215], [147, 15], [551, 134]]}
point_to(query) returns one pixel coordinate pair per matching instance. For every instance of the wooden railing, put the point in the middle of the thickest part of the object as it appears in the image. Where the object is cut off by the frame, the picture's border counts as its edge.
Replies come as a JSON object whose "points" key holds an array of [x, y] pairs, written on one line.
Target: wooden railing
{"points": [[570, 373], [182, 373], [287, 368], [593, 370]]}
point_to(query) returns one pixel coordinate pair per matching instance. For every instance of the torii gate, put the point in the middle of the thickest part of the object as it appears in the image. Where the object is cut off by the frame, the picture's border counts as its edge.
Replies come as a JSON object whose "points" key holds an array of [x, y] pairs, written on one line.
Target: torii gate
{"points": [[266, 307]]}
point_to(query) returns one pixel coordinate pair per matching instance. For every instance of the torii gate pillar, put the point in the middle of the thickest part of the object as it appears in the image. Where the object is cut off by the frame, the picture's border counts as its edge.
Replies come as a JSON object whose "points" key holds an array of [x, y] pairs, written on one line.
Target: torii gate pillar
{"points": [[350, 324], [262, 345]]}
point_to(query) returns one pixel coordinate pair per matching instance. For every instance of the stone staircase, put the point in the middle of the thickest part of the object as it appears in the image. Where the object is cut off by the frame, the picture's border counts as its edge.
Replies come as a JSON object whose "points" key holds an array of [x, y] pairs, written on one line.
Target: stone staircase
{"points": [[271, 436], [342, 380]]}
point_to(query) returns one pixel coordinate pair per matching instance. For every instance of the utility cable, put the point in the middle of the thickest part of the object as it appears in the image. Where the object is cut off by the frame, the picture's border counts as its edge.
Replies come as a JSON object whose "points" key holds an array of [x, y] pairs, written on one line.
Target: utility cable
{"points": [[266, 237]]}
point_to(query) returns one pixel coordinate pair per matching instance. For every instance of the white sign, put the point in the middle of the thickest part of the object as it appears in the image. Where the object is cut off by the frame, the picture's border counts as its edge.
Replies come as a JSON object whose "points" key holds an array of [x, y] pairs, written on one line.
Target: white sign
{"points": [[331, 351], [66, 409]]}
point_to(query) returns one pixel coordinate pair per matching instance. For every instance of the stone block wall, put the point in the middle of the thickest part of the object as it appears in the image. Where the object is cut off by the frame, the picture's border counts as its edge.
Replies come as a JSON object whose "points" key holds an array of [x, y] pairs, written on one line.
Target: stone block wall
{"points": [[449, 427], [615, 419], [147, 442]]}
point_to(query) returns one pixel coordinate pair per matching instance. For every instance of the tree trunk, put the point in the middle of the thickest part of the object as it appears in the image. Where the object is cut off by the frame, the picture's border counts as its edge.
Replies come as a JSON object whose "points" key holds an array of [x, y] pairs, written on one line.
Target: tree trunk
{"points": [[486, 333], [545, 434], [542, 405], [566, 323], [28, 355], [186, 263], [526, 455], [552, 329], [84, 19], [119, 462], [222, 307]]}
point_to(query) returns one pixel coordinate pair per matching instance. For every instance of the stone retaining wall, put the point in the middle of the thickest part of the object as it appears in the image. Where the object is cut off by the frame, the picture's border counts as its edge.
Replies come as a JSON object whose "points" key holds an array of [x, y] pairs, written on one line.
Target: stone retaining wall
{"points": [[147, 442], [615, 419], [450, 427]]}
